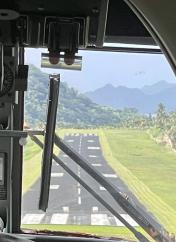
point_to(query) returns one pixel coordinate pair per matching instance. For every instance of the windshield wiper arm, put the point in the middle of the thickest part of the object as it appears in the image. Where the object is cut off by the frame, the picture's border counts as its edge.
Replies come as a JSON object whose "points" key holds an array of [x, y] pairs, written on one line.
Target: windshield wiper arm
{"points": [[49, 141], [137, 234], [152, 227]]}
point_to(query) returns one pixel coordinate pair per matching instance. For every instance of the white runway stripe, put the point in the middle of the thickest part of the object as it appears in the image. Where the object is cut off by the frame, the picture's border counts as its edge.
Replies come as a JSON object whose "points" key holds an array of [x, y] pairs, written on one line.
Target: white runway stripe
{"points": [[96, 164], [110, 175], [57, 174], [70, 140], [54, 187], [102, 189], [64, 155], [65, 209], [92, 156], [32, 218], [79, 200], [95, 209], [63, 218], [90, 141], [59, 218], [93, 148], [79, 190], [128, 219], [99, 219]]}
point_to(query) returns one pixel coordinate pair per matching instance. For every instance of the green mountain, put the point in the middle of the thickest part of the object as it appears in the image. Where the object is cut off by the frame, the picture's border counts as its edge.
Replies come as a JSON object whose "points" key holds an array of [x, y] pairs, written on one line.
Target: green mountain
{"points": [[74, 109]]}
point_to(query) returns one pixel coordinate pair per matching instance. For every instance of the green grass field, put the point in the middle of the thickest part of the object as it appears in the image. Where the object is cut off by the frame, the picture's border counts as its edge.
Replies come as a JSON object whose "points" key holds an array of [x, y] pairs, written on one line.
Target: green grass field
{"points": [[149, 169]]}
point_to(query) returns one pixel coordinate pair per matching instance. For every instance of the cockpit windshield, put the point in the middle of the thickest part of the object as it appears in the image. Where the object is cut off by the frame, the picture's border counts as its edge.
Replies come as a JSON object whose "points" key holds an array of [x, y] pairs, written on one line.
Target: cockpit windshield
{"points": [[119, 114]]}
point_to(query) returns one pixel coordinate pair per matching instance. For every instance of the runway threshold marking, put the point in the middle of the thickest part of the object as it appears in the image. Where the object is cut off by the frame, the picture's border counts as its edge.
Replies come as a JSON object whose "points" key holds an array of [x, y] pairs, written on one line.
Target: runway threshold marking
{"points": [[65, 209], [99, 219], [128, 219], [62, 218], [59, 218], [32, 218]]}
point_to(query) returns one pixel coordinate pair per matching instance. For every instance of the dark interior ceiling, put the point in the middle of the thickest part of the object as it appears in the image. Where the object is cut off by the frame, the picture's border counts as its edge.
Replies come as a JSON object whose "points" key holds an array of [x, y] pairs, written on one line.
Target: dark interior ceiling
{"points": [[122, 23]]}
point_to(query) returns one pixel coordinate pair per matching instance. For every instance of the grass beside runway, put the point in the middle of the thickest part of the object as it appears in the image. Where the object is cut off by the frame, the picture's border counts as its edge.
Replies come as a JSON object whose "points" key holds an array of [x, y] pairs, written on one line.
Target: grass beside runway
{"points": [[107, 231], [32, 164], [147, 168]]}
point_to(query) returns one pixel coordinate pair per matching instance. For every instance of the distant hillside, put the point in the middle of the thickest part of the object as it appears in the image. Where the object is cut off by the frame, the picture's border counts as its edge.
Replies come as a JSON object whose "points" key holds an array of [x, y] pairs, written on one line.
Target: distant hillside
{"points": [[158, 87], [145, 100], [74, 109]]}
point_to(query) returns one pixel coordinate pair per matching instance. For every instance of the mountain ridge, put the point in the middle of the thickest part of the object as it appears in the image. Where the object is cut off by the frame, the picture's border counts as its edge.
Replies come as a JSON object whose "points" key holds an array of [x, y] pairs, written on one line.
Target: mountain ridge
{"points": [[145, 100], [74, 109]]}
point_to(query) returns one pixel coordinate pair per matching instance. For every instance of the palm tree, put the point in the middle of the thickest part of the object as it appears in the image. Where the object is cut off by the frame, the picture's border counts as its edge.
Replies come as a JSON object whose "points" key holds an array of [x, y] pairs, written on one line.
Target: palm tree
{"points": [[161, 117]]}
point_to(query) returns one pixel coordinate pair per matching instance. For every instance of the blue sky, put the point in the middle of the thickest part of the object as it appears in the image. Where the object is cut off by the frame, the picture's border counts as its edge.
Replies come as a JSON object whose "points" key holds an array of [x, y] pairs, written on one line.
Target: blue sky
{"points": [[101, 68]]}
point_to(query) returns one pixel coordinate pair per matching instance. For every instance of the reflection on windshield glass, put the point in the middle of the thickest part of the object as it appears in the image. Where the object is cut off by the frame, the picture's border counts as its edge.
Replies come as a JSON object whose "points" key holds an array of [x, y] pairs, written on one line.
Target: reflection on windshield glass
{"points": [[120, 116]]}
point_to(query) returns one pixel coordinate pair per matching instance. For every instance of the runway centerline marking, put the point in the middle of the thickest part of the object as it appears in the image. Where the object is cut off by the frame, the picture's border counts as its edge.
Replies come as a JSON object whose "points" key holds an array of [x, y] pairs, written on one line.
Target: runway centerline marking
{"points": [[54, 187], [93, 156], [57, 174], [79, 200], [110, 175]]}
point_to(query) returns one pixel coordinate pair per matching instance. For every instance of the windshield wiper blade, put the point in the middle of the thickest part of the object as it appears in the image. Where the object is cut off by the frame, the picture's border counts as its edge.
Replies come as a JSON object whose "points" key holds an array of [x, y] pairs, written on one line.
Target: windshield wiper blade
{"points": [[136, 233], [152, 227]]}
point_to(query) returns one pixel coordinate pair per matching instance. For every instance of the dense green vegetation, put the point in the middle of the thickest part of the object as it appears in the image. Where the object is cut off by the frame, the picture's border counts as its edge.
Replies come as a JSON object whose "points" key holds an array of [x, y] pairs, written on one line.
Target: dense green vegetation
{"points": [[75, 109]]}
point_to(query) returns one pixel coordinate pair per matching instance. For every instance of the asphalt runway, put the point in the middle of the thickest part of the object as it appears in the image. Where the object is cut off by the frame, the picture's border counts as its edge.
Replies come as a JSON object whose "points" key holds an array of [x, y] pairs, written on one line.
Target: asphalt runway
{"points": [[70, 203]]}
